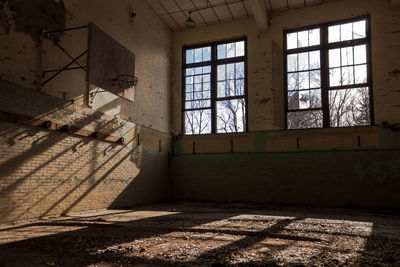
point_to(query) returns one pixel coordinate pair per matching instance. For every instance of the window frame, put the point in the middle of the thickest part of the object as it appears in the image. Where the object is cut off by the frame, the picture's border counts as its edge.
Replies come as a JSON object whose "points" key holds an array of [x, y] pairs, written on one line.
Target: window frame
{"points": [[324, 48], [213, 63]]}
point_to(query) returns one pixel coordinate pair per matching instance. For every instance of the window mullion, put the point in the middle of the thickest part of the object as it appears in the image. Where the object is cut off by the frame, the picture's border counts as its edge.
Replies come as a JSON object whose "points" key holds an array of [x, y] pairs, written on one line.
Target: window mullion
{"points": [[324, 54], [213, 88]]}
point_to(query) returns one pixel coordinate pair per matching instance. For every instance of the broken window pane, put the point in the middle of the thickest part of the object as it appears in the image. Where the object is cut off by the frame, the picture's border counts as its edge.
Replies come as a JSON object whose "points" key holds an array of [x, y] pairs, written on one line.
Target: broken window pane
{"points": [[304, 119], [349, 107], [346, 31], [231, 116], [198, 121], [359, 29]]}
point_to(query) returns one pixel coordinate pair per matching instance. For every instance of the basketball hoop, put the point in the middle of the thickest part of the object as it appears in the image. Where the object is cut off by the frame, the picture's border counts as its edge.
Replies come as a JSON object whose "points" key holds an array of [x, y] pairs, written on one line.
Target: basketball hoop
{"points": [[124, 81]]}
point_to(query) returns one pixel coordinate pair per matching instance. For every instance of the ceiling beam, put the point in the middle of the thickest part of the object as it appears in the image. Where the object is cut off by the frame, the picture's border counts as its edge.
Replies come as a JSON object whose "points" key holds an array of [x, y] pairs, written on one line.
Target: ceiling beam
{"points": [[260, 13], [395, 3]]}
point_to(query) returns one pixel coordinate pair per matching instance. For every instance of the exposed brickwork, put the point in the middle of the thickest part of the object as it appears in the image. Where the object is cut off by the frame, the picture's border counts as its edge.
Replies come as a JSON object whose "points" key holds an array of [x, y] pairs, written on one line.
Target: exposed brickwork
{"points": [[45, 172]]}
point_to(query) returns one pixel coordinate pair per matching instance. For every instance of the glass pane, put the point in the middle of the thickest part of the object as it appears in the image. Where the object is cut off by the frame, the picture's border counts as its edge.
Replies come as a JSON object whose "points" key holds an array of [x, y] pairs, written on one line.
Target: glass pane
{"points": [[360, 74], [197, 103], [334, 58], [293, 100], [198, 70], [347, 56], [197, 79], [206, 78], [189, 56], [347, 75], [230, 50], [198, 55], [221, 51], [304, 119], [239, 87], [230, 88], [315, 79], [198, 121], [304, 80], [349, 107], [189, 71], [302, 39], [239, 70], [293, 81], [360, 54], [292, 62], [291, 40], [240, 49], [189, 88], [334, 77], [230, 71], [221, 89], [207, 69], [221, 72], [315, 99], [303, 61], [304, 99], [315, 60], [189, 80], [334, 34], [346, 31], [314, 37], [206, 53], [359, 30], [231, 116]]}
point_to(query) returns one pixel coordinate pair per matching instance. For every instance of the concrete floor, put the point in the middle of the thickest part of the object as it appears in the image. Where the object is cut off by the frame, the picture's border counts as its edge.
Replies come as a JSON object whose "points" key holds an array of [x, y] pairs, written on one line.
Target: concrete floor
{"points": [[204, 234]]}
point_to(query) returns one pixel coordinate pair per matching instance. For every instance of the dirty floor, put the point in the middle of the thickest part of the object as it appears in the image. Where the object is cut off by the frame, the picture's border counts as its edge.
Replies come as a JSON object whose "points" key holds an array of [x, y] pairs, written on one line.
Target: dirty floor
{"points": [[201, 234]]}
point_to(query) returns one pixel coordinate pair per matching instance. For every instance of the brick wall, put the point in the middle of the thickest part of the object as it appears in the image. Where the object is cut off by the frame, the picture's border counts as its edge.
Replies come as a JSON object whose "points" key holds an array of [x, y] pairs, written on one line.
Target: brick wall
{"points": [[46, 172]]}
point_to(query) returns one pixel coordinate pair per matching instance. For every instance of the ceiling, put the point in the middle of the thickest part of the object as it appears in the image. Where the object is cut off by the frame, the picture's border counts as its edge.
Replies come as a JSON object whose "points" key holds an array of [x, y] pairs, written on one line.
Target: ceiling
{"points": [[204, 12]]}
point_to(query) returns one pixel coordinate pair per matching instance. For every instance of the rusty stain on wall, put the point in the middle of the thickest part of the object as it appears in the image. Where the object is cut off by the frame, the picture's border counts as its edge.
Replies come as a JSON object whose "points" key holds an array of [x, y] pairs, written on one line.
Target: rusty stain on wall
{"points": [[31, 17], [394, 73]]}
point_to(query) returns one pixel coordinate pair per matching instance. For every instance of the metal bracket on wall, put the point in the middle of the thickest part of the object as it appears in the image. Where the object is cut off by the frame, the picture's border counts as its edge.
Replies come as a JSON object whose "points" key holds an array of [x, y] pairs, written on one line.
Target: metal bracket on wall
{"points": [[50, 35]]}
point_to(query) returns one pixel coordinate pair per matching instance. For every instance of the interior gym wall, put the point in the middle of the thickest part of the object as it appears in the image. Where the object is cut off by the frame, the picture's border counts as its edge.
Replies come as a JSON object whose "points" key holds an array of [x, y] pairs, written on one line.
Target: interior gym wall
{"points": [[50, 172], [356, 166]]}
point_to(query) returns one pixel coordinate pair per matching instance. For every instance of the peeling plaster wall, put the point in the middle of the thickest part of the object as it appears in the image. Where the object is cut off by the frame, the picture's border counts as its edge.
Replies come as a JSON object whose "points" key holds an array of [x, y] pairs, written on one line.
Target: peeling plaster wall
{"points": [[328, 167], [47, 172], [385, 55], [147, 37]]}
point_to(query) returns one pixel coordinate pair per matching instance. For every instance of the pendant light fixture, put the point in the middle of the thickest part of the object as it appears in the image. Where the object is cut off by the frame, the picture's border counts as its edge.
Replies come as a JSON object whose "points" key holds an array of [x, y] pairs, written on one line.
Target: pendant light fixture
{"points": [[189, 23]]}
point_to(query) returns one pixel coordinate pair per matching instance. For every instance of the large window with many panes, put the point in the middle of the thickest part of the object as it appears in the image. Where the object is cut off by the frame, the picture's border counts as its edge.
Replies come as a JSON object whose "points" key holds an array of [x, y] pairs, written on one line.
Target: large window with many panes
{"points": [[215, 88], [328, 75]]}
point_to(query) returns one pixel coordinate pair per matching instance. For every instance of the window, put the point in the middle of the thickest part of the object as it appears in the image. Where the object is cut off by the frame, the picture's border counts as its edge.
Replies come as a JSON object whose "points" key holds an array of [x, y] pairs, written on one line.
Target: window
{"points": [[328, 75], [215, 88]]}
